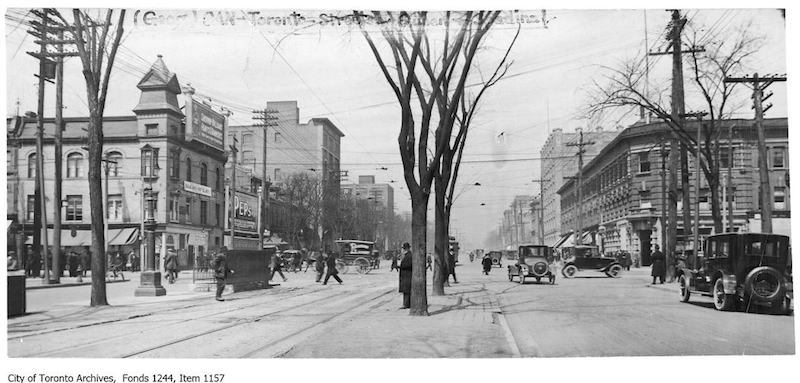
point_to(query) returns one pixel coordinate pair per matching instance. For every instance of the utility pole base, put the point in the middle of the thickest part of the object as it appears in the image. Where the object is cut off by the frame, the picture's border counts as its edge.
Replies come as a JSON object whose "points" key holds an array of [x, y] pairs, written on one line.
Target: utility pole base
{"points": [[150, 285]]}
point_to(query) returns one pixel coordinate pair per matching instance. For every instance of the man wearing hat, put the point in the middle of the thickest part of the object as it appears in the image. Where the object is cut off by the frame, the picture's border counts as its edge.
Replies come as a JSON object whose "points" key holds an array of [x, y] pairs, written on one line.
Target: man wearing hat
{"points": [[405, 275], [171, 265], [221, 271]]}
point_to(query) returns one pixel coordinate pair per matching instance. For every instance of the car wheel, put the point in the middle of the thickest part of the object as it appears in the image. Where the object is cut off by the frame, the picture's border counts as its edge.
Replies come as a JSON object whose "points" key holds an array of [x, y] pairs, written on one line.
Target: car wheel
{"points": [[684, 288], [722, 301], [613, 271], [764, 284], [569, 271], [781, 307]]}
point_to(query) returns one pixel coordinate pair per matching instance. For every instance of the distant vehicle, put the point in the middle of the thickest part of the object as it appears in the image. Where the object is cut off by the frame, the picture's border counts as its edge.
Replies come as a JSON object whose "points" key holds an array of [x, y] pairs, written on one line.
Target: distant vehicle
{"points": [[510, 254], [291, 260], [587, 257], [496, 257], [354, 253], [742, 270], [534, 261]]}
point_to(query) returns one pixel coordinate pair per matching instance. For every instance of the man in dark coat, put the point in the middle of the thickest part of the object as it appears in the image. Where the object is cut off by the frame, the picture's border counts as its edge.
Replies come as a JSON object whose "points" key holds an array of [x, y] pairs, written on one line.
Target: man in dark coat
{"points": [[319, 266], [451, 266], [405, 276], [487, 264], [332, 272], [221, 271], [659, 265], [171, 265]]}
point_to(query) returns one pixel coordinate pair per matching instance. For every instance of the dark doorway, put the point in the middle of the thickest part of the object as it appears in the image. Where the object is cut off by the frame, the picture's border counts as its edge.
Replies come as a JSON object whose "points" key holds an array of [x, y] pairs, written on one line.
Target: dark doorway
{"points": [[644, 245]]}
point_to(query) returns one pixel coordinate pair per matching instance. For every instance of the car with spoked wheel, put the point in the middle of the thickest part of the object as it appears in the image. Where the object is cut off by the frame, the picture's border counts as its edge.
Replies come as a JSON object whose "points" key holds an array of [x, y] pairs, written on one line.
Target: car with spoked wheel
{"points": [[742, 271], [587, 257], [533, 261]]}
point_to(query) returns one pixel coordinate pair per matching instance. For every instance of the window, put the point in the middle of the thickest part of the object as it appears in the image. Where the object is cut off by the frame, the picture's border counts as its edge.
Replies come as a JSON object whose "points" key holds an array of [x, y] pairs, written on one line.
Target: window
{"points": [[218, 180], [170, 242], [780, 197], [30, 208], [188, 169], [216, 214], [248, 158], [718, 248], [74, 165], [277, 174], [188, 211], [175, 164], [277, 137], [114, 163], [778, 160], [115, 208], [149, 161], [74, 208], [724, 158], [203, 212], [644, 162], [174, 209], [181, 241], [32, 165], [203, 174], [151, 129]]}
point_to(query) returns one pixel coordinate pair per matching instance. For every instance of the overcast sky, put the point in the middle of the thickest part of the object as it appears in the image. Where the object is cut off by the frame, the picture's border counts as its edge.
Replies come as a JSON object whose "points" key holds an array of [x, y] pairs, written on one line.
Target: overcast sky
{"points": [[331, 73]]}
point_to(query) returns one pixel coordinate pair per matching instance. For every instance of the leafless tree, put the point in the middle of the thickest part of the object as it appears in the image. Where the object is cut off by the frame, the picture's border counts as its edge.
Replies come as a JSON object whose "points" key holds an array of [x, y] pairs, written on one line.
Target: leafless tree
{"points": [[97, 44]]}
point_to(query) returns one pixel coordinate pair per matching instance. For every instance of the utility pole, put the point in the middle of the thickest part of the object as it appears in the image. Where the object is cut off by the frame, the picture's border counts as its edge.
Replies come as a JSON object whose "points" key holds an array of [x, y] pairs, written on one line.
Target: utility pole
{"points": [[760, 84], [729, 200], [664, 155], [232, 204], [266, 118], [541, 208], [579, 188], [676, 157], [696, 241]]}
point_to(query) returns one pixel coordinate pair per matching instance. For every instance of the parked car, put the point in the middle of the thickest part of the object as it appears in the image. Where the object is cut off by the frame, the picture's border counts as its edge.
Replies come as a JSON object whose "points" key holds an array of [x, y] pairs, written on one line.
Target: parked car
{"points": [[742, 270], [587, 257], [497, 258], [534, 261]]}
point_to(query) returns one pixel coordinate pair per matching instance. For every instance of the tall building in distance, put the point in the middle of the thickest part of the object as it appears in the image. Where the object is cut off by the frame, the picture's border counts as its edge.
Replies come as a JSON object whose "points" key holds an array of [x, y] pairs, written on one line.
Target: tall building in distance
{"points": [[366, 188], [560, 161]]}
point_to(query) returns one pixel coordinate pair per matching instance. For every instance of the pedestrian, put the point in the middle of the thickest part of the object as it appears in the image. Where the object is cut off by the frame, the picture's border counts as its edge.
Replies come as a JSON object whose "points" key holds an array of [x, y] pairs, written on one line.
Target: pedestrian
{"points": [[332, 272], [394, 262], [171, 265], [451, 266], [487, 264], [221, 271], [626, 260], [429, 262], [11, 262], [73, 264], [319, 266], [86, 262], [275, 266], [659, 265], [405, 276]]}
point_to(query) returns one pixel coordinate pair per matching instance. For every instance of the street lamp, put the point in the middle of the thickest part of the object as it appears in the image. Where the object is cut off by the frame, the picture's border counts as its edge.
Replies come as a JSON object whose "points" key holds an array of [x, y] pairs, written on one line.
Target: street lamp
{"points": [[150, 278]]}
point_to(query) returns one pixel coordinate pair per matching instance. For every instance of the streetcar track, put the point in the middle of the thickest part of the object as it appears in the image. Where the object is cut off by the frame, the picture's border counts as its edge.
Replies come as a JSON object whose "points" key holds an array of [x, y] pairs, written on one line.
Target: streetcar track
{"points": [[255, 319], [156, 328]]}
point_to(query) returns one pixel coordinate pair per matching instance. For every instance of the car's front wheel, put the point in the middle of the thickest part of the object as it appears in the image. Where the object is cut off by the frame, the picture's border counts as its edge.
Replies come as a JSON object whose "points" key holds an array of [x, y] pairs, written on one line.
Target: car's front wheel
{"points": [[569, 271], [722, 301], [613, 271], [684, 288]]}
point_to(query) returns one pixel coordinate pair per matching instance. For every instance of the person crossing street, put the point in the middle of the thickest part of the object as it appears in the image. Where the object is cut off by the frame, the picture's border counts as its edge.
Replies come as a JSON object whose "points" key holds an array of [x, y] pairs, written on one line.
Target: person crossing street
{"points": [[332, 272]]}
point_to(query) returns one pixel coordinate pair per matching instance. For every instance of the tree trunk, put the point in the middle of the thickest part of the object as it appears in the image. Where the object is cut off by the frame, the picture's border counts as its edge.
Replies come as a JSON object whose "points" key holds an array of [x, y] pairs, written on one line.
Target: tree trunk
{"points": [[95, 134], [687, 200], [441, 240], [419, 222], [716, 210]]}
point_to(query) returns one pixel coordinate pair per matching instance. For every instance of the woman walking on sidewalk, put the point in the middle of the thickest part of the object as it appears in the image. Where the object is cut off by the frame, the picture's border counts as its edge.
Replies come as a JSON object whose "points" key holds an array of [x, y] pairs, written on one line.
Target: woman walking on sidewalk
{"points": [[332, 272], [405, 276]]}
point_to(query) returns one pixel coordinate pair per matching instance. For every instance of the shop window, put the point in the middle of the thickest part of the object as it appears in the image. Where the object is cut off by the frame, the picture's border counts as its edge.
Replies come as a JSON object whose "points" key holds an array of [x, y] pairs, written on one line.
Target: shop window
{"points": [[74, 208]]}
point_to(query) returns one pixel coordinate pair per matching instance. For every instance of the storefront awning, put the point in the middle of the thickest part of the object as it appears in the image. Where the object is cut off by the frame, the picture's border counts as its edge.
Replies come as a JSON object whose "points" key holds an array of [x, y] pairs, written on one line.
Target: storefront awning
{"points": [[122, 237], [565, 240], [8, 227]]}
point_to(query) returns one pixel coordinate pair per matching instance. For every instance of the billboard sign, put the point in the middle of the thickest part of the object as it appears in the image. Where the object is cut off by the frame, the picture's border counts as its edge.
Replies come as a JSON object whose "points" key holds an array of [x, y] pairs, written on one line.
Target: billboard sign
{"points": [[245, 213], [205, 125]]}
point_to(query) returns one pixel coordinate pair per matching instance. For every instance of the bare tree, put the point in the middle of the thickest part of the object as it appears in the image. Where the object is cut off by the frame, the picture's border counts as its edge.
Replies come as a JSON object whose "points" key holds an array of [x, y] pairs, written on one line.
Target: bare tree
{"points": [[625, 87], [418, 73], [97, 44]]}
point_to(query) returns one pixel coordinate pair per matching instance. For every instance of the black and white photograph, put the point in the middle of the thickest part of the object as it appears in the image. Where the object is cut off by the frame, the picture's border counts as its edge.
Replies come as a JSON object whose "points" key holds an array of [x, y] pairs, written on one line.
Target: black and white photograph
{"points": [[241, 192]]}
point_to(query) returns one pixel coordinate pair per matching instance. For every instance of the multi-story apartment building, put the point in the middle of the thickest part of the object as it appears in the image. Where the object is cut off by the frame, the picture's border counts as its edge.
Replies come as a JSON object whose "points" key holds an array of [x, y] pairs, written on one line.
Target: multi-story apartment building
{"points": [[558, 162], [178, 153], [622, 187], [366, 188], [518, 222]]}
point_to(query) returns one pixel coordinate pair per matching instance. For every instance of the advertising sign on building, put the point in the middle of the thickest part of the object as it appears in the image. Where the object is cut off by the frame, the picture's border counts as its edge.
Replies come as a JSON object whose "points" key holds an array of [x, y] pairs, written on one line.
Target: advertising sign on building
{"points": [[204, 124], [245, 213], [197, 188]]}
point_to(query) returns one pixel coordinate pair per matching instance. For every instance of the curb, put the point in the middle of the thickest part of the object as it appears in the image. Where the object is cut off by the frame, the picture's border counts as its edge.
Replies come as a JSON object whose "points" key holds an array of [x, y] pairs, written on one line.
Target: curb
{"points": [[58, 285]]}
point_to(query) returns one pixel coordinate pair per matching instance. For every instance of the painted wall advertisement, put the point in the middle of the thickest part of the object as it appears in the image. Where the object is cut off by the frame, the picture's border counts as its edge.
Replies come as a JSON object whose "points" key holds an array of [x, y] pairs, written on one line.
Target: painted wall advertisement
{"points": [[245, 214], [205, 125]]}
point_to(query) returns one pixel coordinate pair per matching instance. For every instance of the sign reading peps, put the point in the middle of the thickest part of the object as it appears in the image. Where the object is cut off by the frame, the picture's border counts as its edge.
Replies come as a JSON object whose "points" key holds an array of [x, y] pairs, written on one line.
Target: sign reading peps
{"points": [[245, 213]]}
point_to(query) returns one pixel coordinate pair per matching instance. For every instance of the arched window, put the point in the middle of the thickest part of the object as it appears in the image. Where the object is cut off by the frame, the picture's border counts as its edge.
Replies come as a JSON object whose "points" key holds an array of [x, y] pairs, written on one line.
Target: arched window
{"points": [[114, 163], [74, 165], [188, 169], [203, 174], [32, 165]]}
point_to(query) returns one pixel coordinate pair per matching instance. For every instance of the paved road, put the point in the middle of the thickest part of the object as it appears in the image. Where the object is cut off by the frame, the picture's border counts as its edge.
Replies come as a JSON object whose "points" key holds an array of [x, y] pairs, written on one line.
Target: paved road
{"points": [[483, 316]]}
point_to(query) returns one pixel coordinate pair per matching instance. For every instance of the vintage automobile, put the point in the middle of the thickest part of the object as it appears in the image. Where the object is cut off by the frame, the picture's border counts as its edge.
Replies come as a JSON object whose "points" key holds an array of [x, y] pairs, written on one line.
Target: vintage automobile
{"points": [[291, 260], [354, 253], [510, 254], [533, 261], [741, 270], [587, 257], [496, 257]]}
